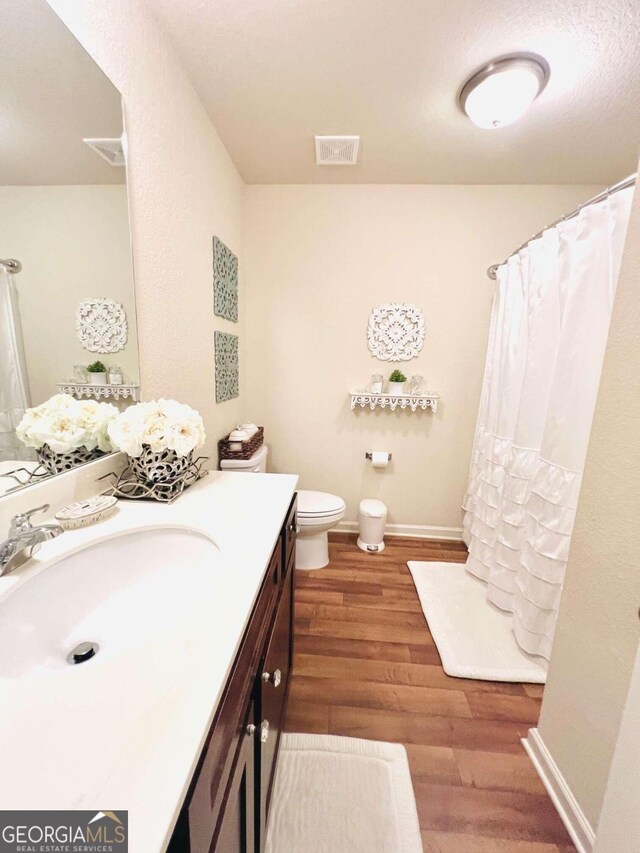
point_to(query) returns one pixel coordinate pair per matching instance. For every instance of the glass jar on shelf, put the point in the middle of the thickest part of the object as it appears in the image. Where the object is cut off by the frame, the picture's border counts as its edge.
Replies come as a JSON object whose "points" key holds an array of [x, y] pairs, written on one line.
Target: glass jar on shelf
{"points": [[376, 383], [115, 375], [80, 375], [416, 385]]}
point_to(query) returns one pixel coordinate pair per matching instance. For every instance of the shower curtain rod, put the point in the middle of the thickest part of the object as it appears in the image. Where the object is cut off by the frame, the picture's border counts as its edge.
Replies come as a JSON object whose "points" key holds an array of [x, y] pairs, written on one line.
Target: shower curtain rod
{"points": [[11, 265], [621, 185]]}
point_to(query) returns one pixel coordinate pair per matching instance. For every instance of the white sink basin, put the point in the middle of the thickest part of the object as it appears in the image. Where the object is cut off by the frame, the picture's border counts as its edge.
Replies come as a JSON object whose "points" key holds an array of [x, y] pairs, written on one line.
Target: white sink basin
{"points": [[119, 594]]}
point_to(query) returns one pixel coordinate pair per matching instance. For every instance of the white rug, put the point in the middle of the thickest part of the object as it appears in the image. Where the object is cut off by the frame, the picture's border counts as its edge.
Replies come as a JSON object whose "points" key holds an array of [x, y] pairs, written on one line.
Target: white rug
{"points": [[473, 636], [342, 795]]}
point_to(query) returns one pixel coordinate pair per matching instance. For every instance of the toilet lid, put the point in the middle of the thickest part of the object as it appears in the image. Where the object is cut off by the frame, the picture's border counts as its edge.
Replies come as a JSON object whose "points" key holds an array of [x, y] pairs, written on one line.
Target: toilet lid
{"points": [[318, 504]]}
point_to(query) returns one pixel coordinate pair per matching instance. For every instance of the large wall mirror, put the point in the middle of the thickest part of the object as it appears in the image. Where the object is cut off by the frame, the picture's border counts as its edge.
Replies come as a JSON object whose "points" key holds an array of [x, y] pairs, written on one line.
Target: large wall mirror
{"points": [[66, 277]]}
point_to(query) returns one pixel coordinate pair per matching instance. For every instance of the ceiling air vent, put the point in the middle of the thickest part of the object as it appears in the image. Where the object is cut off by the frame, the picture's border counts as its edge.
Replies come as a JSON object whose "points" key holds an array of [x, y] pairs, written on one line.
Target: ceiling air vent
{"points": [[337, 150], [110, 150]]}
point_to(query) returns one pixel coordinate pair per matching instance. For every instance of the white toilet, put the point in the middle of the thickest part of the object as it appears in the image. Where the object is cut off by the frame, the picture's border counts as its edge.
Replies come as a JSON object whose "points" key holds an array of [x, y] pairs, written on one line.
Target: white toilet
{"points": [[318, 512], [257, 464]]}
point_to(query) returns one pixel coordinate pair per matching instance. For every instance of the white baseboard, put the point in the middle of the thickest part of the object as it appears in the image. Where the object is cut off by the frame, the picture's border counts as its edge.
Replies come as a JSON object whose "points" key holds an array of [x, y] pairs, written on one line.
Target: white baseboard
{"points": [[417, 531], [571, 814]]}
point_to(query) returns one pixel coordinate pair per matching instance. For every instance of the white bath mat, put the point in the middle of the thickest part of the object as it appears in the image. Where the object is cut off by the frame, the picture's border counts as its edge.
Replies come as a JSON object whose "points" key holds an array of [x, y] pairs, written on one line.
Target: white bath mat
{"points": [[473, 636], [342, 795]]}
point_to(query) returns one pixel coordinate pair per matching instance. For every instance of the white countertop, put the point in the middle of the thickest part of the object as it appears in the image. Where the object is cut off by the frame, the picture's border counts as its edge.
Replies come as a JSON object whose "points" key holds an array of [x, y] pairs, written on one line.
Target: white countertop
{"points": [[60, 749]]}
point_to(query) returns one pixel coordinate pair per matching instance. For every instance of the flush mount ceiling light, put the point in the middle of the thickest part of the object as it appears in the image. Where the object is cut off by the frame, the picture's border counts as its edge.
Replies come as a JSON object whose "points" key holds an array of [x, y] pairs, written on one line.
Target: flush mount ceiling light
{"points": [[502, 91]]}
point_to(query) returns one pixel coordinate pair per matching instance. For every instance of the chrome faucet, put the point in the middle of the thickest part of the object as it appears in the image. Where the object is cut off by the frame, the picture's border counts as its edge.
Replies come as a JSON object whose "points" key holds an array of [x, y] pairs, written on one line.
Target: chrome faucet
{"points": [[24, 539]]}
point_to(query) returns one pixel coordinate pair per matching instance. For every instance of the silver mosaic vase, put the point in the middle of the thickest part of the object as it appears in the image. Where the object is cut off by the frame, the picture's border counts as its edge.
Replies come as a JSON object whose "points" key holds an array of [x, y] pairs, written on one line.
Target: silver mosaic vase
{"points": [[58, 463], [165, 466]]}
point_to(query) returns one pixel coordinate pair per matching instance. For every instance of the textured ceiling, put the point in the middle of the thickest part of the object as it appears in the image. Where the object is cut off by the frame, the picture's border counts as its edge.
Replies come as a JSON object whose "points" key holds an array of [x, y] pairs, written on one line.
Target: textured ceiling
{"points": [[272, 73], [51, 96]]}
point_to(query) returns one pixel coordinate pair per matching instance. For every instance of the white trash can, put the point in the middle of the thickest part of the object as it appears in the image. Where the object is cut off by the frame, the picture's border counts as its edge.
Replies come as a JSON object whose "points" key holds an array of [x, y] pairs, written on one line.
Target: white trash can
{"points": [[372, 518]]}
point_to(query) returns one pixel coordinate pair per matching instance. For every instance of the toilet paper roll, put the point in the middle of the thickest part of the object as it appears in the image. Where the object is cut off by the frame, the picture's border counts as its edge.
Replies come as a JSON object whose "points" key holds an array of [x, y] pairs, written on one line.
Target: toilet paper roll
{"points": [[379, 459]]}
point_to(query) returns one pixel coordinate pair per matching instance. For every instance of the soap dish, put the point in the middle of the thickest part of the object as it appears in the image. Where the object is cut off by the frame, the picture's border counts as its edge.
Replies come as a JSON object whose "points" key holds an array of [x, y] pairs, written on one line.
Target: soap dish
{"points": [[89, 511]]}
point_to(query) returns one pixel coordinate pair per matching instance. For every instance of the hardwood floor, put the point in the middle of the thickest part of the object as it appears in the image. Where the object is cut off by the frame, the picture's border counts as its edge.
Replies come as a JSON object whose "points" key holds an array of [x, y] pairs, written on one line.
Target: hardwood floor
{"points": [[366, 666]]}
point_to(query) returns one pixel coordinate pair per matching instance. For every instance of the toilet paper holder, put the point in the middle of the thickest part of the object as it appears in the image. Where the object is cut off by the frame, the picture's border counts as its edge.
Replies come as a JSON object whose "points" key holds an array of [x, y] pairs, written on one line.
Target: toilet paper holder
{"points": [[369, 455]]}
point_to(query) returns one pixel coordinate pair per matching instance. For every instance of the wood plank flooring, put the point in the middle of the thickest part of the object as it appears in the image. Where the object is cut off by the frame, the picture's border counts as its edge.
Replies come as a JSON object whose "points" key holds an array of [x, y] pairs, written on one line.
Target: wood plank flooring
{"points": [[366, 666]]}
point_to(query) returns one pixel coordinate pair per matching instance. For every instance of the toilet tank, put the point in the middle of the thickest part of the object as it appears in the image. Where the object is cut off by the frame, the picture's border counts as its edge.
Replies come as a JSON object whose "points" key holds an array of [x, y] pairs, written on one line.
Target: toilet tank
{"points": [[257, 464]]}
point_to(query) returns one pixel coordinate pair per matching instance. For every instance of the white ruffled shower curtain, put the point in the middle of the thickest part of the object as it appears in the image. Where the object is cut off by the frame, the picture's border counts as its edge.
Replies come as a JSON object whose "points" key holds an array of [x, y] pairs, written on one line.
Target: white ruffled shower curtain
{"points": [[14, 392], [546, 346]]}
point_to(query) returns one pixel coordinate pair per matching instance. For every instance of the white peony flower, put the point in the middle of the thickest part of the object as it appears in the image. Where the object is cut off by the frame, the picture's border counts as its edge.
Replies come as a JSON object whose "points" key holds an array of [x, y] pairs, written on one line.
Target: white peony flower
{"points": [[61, 431], [95, 418], [58, 403], [126, 434], [24, 429], [154, 432], [183, 436]]}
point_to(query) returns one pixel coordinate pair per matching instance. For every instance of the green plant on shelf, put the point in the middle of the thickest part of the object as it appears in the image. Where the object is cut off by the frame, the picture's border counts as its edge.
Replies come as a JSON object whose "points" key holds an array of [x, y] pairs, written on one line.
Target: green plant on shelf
{"points": [[96, 367], [397, 376]]}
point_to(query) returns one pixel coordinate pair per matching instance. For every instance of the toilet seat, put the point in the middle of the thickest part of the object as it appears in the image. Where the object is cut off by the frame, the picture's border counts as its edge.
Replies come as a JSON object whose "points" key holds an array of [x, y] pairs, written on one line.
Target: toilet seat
{"points": [[321, 522], [318, 505]]}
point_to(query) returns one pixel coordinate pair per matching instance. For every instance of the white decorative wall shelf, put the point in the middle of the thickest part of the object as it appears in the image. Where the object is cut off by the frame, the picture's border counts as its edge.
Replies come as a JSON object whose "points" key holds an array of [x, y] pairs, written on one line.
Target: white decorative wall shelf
{"points": [[395, 331], [101, 325], [394, 401], [100, 392]]}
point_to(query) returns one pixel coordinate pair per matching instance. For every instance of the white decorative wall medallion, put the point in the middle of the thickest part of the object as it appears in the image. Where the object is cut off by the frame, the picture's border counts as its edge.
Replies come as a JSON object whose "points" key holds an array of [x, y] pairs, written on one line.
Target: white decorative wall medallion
{"points": [[101, 325], [395, 331]]}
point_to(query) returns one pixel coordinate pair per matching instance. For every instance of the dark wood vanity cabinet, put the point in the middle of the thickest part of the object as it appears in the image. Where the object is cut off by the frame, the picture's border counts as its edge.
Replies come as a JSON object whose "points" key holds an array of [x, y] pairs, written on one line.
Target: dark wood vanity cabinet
{"points": [[227, 805]]}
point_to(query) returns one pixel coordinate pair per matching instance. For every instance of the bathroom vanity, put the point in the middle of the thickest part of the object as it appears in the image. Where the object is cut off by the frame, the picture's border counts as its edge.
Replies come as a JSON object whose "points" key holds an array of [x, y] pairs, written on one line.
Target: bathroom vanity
{"points": [[176, 717], [228, 801]]}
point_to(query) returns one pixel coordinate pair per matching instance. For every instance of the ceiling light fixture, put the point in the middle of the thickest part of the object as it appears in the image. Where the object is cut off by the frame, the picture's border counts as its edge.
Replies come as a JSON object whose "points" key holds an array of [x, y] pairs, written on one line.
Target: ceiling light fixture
{"points": [[502, 91]]}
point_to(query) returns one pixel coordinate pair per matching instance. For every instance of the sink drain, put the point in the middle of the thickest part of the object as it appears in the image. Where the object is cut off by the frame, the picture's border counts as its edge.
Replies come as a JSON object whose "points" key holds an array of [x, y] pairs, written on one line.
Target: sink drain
{"points": [[82, 652]]}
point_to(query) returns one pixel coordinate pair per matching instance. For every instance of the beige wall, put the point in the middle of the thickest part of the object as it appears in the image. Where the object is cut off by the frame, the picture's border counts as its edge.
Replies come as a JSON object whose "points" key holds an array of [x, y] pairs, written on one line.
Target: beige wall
{"points": [[319, 258], [598, 628], [183, 189], [619, 824], [73, 242]]}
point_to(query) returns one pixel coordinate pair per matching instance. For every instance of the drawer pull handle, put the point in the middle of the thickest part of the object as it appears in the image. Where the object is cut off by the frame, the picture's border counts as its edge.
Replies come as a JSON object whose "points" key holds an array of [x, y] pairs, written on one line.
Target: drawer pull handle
{"points": [[276, 678], [293, 528], [250, 730], [264, 731]]}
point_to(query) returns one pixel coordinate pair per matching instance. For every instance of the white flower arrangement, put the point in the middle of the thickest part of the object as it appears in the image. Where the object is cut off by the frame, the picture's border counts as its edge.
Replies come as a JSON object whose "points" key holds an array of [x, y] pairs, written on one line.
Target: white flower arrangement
{"points": [[65, 424], [160, 425]]}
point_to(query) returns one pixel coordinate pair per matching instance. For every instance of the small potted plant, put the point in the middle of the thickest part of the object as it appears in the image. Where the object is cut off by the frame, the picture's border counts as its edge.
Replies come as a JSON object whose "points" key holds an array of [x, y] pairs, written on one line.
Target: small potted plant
{"points": [[396, 382], [97, 373]]}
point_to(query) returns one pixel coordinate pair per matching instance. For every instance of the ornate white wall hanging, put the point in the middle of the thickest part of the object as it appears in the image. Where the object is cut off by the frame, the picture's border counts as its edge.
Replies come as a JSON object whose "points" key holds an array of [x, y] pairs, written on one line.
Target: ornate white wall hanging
{"points": [[395, 331], [101, 325]]}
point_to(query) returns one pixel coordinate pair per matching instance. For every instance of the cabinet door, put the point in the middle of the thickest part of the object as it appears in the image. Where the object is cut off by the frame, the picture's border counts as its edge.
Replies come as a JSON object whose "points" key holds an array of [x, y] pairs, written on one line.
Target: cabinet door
{"points": [[273, 693], [236, 833], [289, 534]]}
